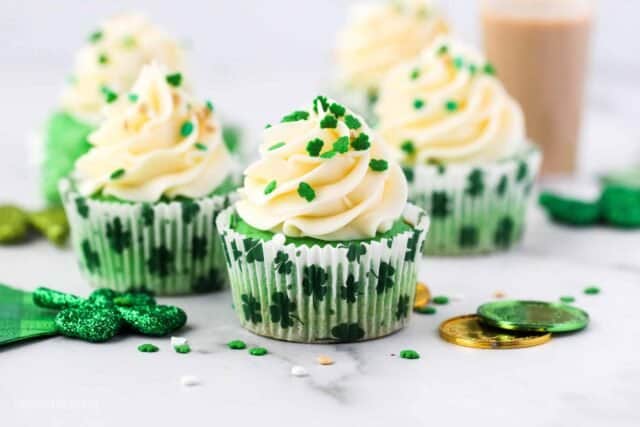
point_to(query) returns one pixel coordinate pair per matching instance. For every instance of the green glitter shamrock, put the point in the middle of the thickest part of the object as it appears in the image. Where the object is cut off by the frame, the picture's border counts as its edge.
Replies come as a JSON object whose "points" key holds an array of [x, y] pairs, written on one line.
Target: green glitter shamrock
{"points": [[106, 312], [281, 310]]}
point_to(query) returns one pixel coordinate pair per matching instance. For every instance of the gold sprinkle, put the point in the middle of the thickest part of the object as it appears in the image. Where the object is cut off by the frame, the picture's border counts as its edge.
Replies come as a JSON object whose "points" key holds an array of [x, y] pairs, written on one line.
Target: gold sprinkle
{"points": [[325, 360], [176, 99]]}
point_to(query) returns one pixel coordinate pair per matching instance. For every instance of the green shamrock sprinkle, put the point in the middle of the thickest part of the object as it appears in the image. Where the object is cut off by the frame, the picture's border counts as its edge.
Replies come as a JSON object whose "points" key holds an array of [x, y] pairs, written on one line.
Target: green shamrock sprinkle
{"points": [[426, 310], [182, 348], [267, 126], [451, 105], [409, 354], [258, 351], [306, 192], [592, 290], [567, 299], [117, 174], [418, 104], [329, 122], [473, 69], [186, 128], [209, 105], [489, 69], [95, 37], [133, 97], [337, 109], [443, 50], [200, 146], [440, 300], [415, 73], [458, 62], [268, 189], [378, 165], [277, 145], [314, 147], [408, 147], [329, 154], [352, 122], [236, 345], [174, 79], [103, 59], [322, 100], [109, 95], [361, 143], [341, 145], [147, 348], [295, 116]]}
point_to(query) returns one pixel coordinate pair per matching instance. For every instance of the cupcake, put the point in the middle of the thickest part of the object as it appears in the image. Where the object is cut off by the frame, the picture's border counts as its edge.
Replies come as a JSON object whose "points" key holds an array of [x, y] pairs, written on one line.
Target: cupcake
{"points": [[105, 68], [461, 138], [378, 37], [142, 202], [321, 245]]}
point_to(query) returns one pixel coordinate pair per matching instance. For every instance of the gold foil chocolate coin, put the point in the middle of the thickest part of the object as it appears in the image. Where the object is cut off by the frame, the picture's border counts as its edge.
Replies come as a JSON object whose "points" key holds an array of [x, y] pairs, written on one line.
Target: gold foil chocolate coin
{"points": [[469, 331], [423, 296]]}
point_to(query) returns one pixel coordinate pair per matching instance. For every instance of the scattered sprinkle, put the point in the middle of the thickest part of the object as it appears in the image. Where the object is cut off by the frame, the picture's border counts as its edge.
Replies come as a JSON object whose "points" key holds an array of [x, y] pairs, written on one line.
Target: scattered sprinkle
{"points": [[299, 371], [337, 109], [415, 73], [267, 126], [200, 146], [133, 97], [592, 290], [440, 300], [378, 165], [176, 341], [109, 95], [103, 59], [128, 41], [418, 104], [499, 294], [567, 299], [322, 100], [329, 122], [258, 351], [325, 360], [237, 345], [409, 354], [443, 50], [295, 116], [408, 147], [117, 174], [277, 145], [426, 310], [451, 105], [489, 69], [361, 142], [189, 380], [186, 128], [458, 62], [182, 349], [314, 147], [95, 37], [306, 192], [147, 348], [209, 105], [268, 189], [352, 122], [329, 154], [341, 145], [174, 79], [473, 69]]}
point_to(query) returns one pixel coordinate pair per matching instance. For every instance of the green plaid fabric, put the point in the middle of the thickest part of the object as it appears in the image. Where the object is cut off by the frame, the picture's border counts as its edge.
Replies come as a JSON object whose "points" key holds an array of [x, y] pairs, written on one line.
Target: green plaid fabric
{"points": [[20, 318]]}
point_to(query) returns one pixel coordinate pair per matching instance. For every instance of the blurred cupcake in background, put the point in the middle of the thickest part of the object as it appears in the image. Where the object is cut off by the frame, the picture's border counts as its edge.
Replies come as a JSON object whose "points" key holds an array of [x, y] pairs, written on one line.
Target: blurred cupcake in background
{"points": [[378, 37], [462, 140], [142, 202], [105, 69]]}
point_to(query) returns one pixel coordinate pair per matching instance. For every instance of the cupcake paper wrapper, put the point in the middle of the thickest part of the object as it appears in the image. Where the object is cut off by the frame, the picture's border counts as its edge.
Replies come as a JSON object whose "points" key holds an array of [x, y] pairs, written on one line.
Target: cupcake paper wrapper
{"points": [[475, 209], [167, 248], [351, 292]]}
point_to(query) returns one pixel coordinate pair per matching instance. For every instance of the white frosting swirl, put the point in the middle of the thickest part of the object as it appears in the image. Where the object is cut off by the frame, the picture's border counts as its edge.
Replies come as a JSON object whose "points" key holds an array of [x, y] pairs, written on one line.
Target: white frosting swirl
{"points": [[352, 200], [163, 143], [450, 106], [380, 36], [113, 57]]}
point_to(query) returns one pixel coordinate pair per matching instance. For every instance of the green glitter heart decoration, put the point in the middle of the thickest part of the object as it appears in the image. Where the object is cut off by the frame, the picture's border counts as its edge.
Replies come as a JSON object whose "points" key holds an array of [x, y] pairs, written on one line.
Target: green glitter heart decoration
{"points": [[89, 323], [156, 320]]}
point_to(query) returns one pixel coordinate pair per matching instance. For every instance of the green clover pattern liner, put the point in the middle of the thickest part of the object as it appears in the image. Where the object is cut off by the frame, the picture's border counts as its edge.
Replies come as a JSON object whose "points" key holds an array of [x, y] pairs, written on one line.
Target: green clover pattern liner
{"points": [[475, 209], [343, 293], [168, 248]]}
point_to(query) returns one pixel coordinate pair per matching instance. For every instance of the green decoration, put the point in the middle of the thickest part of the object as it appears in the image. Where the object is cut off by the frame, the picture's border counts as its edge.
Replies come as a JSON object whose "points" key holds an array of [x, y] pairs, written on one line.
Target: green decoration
{"points": [[258, 351], [21, 319], [237, 345], [14, 224], [409, 354], [147, 348], [440, 300], [570, 211]]}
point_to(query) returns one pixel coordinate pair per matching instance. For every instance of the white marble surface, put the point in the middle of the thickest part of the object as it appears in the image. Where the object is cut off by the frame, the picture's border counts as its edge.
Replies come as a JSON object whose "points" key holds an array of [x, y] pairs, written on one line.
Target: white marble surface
{"points": [[587, 379]]}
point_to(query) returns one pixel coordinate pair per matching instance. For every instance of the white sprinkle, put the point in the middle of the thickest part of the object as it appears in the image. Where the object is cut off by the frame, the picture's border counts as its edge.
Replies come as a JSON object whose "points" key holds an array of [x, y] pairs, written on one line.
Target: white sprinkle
{"points": [[278, 239], [189, 380], [299, 371], [176, 341]]}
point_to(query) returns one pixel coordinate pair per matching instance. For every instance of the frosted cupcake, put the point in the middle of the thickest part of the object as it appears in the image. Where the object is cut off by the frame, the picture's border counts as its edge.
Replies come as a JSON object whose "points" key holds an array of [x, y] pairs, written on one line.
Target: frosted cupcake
{"points": [[142, 202], [378, 37], [105, 68], [462, 141], [321, 245]]}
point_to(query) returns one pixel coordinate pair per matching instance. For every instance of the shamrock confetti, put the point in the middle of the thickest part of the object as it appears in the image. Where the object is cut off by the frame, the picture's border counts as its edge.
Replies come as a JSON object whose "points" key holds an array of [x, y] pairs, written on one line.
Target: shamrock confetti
{"points": [[258, 351], [409, 354], [236, 345], [147, 348]]}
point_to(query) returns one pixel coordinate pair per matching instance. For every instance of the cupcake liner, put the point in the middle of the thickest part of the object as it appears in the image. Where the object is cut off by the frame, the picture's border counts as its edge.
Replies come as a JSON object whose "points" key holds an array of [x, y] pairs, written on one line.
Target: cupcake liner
{"points": [[167, 248], [475, 209], [349, 292]]}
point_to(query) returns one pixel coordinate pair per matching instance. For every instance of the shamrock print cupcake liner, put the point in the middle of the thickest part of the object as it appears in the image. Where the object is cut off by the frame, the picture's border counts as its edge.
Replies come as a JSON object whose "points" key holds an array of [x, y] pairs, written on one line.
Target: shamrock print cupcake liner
{"points": [[167, 248], [475, 209], [334, 293]]}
